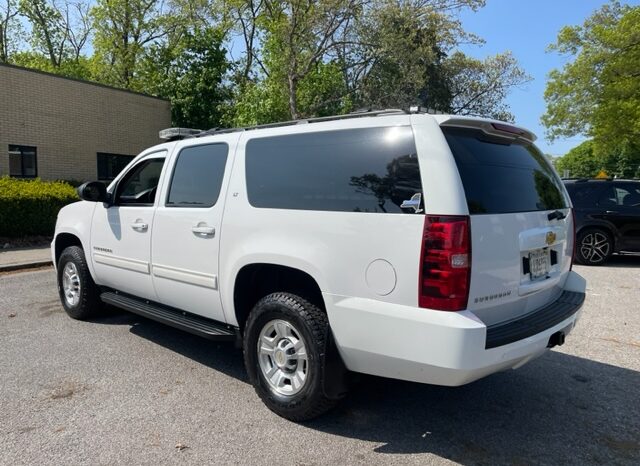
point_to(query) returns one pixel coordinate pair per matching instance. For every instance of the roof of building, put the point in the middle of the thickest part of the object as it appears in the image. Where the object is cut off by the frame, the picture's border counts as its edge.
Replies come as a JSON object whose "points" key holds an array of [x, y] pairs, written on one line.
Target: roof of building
{"points": [[83, 81]]}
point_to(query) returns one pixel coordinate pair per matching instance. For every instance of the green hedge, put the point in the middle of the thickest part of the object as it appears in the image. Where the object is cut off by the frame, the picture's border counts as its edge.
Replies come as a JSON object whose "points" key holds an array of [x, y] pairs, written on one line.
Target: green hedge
{"points": [[30, 207]]}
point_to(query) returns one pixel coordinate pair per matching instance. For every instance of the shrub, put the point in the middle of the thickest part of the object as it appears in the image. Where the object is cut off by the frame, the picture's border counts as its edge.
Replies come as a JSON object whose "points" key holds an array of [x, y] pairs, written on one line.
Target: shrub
{"points": [[30, 207]]}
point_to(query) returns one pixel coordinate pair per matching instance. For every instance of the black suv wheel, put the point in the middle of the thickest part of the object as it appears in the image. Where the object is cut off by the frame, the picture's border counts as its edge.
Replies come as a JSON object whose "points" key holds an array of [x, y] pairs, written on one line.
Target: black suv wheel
{"points": [[594, 246], [284, 352], [79, 294]]}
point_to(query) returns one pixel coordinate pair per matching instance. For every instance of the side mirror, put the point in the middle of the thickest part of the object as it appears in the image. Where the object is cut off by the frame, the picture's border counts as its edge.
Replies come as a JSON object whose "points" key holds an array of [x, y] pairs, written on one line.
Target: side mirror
{"points": [[93, 191]]}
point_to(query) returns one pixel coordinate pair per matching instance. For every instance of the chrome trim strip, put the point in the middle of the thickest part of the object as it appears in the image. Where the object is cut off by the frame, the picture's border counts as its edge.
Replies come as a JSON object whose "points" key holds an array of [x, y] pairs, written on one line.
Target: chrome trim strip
{"points": [[121, 262], [186, 276]]}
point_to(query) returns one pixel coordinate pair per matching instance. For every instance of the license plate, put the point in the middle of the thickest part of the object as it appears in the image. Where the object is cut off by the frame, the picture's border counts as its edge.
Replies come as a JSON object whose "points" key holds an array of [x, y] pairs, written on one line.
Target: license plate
{"points": [[539, 263]]}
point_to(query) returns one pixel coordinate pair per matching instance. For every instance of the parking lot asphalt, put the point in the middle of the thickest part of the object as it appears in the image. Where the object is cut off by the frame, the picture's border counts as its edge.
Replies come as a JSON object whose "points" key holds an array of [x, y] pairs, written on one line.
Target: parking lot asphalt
{"points": [[126, 390]]}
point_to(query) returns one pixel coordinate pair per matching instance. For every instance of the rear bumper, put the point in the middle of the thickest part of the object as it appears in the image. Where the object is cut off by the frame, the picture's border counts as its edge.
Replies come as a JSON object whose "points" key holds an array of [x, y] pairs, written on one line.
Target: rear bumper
{"points": [[444, 348]]}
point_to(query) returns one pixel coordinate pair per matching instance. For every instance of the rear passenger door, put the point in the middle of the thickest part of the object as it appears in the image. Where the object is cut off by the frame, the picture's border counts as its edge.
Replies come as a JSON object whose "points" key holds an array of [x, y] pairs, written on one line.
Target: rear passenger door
{"points": [[186, 238], [622, 204]]}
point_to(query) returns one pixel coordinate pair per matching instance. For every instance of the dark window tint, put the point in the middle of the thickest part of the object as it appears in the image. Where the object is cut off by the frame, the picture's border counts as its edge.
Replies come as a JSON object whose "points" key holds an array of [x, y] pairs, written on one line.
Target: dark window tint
{"points": [[22, 161], [501, 176], [140, 184], [583, 194], [355, 170], [197, 176], [109, 165], [620, 195]]}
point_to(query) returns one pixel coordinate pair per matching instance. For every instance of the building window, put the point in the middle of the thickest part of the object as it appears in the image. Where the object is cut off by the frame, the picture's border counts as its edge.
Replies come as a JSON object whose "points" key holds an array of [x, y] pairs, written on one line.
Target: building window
{"points": [[109, 165], [22, 161]]}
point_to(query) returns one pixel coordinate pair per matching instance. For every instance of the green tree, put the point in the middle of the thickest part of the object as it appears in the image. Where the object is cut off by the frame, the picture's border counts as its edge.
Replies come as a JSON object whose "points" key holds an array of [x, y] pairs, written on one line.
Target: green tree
{"points": [[59, 32], [10, 29], [581, 162], [587, 160], [189, 69], [598, 93], [124, 29]]}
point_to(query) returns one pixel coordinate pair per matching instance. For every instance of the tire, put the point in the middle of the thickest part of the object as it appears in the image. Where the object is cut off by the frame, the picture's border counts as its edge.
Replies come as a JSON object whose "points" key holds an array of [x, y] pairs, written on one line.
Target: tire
{"points": [[594, 246], [79, 294], [285, 320]]}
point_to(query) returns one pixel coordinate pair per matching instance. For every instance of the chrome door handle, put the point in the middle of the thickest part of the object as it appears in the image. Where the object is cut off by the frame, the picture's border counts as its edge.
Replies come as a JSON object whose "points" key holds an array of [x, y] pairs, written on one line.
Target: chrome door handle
{"points": [[139, 226], [203, 230]]}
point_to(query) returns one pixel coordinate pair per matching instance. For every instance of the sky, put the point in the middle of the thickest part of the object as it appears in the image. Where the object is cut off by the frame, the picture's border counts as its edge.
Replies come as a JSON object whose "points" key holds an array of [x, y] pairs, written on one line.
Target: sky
{"points": [[526, 28]]}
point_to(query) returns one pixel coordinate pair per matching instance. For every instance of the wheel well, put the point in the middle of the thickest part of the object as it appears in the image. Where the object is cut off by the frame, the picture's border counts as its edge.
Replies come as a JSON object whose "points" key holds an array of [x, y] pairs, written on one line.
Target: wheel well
{"points": [[256, 281], [63, 241]]}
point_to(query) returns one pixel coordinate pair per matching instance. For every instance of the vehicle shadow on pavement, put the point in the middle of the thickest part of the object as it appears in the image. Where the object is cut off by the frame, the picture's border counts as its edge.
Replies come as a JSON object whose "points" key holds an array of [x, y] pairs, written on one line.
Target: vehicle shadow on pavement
{"points": [[557, 409], [223, 357], [623, 260]]}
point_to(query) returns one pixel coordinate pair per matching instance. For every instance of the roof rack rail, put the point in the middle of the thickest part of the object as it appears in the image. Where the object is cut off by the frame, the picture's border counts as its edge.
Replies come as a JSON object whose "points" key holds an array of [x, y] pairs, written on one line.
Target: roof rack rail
{"points": [[356, 114], [174, 134]]}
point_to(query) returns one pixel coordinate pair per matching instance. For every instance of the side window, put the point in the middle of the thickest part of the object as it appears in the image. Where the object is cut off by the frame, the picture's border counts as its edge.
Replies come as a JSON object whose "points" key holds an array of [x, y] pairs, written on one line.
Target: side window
{"points": [[354, 170], [608, 197], [197, 176], [139, 185], [583, 195], [628, 195]]}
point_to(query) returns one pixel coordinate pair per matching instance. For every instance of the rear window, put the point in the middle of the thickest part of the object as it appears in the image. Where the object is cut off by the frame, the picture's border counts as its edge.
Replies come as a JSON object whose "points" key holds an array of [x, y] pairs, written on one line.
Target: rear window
{"points": [[500, 176], [354, 170]]}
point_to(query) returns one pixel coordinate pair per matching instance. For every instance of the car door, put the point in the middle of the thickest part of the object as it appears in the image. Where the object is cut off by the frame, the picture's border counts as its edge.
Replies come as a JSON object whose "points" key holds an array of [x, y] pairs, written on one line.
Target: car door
{"points": [[121, 232], [628, 215], [186, 228]]}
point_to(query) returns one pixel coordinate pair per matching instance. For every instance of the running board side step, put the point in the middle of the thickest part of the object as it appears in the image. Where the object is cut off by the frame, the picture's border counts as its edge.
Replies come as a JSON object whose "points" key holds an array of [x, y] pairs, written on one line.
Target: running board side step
{"points": [[188, 322]]}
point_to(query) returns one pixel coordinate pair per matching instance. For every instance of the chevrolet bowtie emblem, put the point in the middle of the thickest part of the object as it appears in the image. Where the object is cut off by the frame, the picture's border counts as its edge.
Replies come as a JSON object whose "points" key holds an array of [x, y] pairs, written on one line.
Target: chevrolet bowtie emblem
{"points": [[551, 238]]}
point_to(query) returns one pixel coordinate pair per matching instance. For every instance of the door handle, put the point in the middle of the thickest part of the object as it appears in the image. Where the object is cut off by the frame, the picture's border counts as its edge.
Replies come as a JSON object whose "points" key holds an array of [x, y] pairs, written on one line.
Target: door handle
{"points": [[139, 225], [610, 212], [200, 229]]}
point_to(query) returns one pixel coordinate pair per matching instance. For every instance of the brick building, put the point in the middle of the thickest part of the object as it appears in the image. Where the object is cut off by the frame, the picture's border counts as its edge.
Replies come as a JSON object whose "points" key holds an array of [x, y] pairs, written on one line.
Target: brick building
{"points": [[53, 127]]}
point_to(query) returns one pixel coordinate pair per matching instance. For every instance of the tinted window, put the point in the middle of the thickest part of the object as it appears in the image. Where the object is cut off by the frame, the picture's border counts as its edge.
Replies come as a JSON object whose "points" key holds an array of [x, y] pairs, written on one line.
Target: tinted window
{"points": [[197, 176], [355, 170], [620, 195], [22, 161], [109, 165], [500, 176], [583, 194], [139, 185], [628, 194]]}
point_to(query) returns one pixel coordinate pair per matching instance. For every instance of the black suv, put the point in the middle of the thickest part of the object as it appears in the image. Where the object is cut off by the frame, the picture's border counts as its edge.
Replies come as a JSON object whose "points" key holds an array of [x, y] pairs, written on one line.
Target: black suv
{"points": [[607, 218]]}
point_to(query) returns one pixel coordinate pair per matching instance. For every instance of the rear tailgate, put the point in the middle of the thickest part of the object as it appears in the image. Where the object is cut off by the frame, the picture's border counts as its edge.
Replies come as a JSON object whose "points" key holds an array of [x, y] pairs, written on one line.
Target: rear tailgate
{"points": [[521, 223]]}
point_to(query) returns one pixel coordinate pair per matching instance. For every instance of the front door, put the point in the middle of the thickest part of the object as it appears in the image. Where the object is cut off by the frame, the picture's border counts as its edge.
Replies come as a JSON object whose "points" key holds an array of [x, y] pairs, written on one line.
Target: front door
{"points": [[121, 233], [186, 230]]}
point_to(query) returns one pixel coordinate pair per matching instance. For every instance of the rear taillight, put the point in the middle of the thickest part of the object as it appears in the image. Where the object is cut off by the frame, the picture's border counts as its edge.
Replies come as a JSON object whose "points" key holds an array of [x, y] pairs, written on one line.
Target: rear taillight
{"points": [[445, 265], [573, 252]]}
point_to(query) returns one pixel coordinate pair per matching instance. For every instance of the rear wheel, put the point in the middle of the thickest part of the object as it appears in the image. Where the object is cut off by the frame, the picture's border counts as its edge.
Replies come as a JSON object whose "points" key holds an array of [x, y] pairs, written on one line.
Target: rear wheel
{"points": [[79, 295], [594, 246], [284, 350]]}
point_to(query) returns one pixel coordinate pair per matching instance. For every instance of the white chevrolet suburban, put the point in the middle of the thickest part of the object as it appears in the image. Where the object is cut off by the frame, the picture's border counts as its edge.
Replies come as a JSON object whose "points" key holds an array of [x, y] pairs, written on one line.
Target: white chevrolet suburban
{"points": [[430, 248]]}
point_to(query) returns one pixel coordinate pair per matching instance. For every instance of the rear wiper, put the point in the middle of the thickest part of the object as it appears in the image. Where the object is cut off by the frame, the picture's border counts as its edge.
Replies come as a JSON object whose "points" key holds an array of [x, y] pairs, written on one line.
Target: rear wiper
{"points": [[556, 215]]}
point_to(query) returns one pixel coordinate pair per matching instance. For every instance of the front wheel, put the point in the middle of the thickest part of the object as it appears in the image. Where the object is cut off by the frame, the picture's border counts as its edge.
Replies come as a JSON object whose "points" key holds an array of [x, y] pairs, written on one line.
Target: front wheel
{"points": [[79, 295], [594, 246], [285, 343]]}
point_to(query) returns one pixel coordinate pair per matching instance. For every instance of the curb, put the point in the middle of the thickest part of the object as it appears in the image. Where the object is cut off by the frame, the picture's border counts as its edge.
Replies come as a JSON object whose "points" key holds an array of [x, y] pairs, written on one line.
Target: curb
{"points": [[25, 265]]}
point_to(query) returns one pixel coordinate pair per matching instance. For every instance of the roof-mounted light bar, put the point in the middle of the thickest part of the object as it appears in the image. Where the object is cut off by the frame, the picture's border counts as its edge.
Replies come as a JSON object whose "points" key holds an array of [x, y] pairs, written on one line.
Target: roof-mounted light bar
{"points": [[176, 134]]}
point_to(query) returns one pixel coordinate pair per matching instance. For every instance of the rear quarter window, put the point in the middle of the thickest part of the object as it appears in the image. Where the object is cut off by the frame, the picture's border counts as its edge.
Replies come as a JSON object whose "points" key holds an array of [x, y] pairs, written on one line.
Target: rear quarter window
{"points": [[503, 176], [352, 170]]}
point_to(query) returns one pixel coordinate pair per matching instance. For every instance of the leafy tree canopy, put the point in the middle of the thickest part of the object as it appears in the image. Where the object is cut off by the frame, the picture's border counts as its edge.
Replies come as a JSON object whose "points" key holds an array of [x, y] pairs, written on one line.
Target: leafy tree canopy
{"points": [[598, 93]]}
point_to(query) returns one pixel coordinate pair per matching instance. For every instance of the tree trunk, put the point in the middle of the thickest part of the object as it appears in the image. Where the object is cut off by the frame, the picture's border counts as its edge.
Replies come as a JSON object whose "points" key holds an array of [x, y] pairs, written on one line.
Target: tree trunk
{"points": [[293, 97]]}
